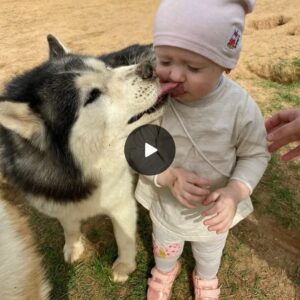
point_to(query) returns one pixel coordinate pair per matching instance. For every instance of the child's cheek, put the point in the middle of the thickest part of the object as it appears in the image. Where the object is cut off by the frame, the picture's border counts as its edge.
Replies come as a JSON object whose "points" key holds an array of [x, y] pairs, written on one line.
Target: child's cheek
{"points": [[161, 73]]}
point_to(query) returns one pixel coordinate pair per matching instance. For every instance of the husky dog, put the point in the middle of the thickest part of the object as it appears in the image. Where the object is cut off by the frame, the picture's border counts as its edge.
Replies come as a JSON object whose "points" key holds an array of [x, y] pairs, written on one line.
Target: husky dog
{"points": [[131, 55], [21, 274], [63, 126]]}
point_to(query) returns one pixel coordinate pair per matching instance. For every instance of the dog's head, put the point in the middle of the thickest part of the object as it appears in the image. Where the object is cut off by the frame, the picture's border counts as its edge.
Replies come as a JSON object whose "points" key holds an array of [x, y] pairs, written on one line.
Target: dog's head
{"points": [[65, 111]]}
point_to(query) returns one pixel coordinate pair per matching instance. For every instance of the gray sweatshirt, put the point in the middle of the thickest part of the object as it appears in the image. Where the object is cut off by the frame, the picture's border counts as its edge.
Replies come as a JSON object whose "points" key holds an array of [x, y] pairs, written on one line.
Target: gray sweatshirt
{"points": [[219, 137]]}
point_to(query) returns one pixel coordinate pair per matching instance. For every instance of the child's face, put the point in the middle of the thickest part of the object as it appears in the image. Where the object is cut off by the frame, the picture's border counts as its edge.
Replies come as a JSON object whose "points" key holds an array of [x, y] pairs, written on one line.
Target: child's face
{"points": [[197, 74]]}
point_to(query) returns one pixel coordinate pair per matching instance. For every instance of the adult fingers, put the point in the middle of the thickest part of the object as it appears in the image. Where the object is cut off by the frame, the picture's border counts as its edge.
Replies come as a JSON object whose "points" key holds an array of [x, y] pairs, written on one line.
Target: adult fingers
{"points": [[291, 154], [275, 128], [288, 133], [280, 117], [273, 122], [273, 146]]}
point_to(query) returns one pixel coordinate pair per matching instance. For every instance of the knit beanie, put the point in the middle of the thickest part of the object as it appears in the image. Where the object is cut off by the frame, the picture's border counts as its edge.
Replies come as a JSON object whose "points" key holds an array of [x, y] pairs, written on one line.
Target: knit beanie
{"points": [[211, 28]]}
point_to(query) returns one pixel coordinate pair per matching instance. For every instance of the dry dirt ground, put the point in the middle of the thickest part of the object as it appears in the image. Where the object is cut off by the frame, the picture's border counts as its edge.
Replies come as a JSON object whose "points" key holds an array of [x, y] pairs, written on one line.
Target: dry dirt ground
{"points": [[272, 38]]}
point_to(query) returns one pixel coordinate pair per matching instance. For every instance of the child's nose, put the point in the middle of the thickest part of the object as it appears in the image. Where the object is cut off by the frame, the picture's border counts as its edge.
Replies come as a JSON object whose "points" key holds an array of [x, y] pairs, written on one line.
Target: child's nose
{"points": [[177, 74]]}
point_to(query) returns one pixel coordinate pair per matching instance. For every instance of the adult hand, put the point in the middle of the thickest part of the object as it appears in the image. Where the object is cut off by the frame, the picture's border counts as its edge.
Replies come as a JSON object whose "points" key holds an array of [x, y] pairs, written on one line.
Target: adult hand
{"points": [[283, 128], [187, 187]]}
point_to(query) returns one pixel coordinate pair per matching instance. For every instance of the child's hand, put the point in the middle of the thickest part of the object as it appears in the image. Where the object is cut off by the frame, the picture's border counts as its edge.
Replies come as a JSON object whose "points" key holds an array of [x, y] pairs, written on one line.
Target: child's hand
{"points": [[186, 187], [225, 205]]}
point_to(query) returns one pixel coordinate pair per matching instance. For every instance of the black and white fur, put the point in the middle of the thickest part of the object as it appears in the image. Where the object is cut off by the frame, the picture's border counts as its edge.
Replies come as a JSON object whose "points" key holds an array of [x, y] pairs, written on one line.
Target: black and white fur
{"points": [[63, 126], [22, 276]]}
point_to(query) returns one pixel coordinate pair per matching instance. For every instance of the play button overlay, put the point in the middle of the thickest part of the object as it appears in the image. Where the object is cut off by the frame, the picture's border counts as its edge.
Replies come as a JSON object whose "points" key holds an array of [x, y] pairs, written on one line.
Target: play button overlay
{"points": [[149, 149]]}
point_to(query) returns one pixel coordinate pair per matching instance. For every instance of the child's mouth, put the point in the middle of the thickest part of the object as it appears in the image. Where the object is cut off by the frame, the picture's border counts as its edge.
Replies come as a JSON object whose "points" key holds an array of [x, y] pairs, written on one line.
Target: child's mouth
{"points": [[178, 91]]}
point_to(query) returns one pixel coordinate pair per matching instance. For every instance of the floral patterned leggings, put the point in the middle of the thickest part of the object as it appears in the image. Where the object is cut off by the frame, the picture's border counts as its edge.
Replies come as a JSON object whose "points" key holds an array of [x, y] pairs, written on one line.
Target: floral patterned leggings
{"points": [[207, 251]]}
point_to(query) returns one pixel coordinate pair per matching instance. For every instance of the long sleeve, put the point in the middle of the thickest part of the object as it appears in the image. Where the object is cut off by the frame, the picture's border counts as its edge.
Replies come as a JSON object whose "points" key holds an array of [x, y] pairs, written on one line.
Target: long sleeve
{"points": [[251, 149]]}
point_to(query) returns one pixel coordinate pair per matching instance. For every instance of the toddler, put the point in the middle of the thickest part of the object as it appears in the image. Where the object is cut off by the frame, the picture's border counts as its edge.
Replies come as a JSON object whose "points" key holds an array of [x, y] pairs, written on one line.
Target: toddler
{"points": [[220, 141]]}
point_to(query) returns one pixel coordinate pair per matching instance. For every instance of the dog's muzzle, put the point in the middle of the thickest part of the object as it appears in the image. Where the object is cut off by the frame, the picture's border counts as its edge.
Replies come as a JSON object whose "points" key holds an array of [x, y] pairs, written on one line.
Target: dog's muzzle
{"points": [[146, 71]]}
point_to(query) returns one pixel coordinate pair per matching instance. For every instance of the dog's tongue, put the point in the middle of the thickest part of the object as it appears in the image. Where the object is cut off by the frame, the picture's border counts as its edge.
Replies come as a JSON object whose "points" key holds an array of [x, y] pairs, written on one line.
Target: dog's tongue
{"points": [[166, 87]]}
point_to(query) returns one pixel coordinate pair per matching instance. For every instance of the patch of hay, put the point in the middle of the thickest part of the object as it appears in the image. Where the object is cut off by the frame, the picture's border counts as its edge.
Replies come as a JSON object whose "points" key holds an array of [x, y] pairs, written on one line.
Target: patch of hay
{"points": [[269, 22], [294, 30], [281, 70]]}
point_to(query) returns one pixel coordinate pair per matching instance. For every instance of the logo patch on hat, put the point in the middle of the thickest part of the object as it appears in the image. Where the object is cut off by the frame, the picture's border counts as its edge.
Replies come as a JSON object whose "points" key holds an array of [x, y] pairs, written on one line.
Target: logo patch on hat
{"points": [[234, 39]]}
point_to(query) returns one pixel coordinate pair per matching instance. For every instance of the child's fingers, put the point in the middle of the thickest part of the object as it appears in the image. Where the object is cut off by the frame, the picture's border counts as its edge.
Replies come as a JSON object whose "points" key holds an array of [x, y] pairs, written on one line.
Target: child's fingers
{"points": [[213, 197], [225, 226], [220, 223], [190, 197], [220, 227], [189, 193], [210, 212], [185, 202], [197, 191], [201, 182], [217, 216]]}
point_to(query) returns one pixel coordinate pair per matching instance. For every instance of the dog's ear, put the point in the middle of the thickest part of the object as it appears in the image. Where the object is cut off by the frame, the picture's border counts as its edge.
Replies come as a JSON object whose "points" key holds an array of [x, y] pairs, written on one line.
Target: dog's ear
{"points": [[56, 48], [19, 118]]}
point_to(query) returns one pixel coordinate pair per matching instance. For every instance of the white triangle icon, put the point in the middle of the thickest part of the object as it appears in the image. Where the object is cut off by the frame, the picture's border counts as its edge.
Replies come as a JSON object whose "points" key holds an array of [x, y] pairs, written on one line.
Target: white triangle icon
{"points": [[149, 150]]}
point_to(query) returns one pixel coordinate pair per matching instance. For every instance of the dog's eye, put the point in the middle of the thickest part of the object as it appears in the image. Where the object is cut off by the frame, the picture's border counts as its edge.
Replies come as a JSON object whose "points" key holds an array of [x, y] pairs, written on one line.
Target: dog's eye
{"points": [[92, 96]]}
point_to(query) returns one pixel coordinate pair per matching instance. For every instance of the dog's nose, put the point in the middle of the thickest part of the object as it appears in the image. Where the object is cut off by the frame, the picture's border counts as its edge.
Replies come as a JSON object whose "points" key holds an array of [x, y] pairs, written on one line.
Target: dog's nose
{"points": [[146, 70]]}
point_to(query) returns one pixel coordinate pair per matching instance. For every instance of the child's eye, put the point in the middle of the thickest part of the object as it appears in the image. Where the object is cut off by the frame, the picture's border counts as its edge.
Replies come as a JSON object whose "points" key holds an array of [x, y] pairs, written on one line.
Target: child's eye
{"points": [[194, 69], [164, 63]]}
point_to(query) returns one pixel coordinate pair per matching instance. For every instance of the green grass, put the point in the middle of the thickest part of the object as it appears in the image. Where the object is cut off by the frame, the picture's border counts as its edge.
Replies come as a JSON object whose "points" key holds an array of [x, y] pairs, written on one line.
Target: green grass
{"points": [[295, 167], [283, 203], [134, 288], [256, 290], [282, 95]]}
